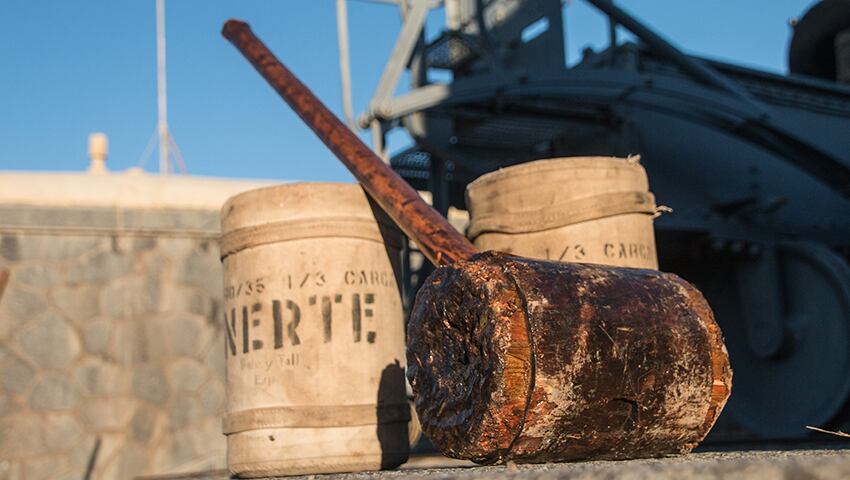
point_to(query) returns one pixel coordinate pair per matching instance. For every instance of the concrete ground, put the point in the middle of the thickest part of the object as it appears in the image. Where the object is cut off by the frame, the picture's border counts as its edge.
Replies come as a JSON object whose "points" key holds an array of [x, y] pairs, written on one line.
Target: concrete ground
{"points": [[830, 464]]}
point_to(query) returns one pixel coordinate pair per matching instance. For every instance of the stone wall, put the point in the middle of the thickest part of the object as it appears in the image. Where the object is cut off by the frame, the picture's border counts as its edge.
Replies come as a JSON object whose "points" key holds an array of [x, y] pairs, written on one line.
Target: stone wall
{"points": [[111, 349]]}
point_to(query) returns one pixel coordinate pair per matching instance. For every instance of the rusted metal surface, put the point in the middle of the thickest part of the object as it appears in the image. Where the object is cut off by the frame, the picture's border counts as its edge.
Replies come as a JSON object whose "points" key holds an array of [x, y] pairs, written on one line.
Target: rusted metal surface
{"points": [[536, 361], [528, 360], [437, 239]]}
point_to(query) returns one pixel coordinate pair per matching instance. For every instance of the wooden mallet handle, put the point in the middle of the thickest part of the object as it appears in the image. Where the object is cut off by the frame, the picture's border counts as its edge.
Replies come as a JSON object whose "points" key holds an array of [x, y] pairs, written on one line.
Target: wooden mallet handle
{"points": [[434, 235]]}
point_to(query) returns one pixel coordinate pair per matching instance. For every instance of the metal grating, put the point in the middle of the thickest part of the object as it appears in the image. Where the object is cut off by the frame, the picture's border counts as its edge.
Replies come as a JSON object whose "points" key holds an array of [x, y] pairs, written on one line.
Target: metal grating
{"points": [[450, 51]]}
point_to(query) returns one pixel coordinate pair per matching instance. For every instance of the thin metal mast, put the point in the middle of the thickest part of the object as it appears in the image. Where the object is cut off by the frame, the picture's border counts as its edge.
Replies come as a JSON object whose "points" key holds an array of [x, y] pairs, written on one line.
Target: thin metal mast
{"points": [[162, 102], [344, 63]]}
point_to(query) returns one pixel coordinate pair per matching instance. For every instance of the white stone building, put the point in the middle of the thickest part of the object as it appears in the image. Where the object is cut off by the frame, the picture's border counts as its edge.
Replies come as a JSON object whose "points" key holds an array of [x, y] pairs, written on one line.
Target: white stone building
{"points": [[111, 350]]}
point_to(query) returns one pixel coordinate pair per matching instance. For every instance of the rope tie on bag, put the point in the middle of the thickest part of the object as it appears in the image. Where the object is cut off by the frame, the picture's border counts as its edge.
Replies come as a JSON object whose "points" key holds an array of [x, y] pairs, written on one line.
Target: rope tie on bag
{"points": [[314, 416], [567, 213], [254, 236]]}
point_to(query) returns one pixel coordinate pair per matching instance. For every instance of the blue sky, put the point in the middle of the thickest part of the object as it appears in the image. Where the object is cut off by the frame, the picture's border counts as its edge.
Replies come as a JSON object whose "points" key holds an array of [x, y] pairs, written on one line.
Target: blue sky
{"points": [[68, 68]]}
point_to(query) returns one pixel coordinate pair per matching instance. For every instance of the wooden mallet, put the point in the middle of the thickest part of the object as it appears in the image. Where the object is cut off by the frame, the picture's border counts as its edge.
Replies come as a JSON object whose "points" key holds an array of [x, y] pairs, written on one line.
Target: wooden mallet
{"points": [[528, 360]]}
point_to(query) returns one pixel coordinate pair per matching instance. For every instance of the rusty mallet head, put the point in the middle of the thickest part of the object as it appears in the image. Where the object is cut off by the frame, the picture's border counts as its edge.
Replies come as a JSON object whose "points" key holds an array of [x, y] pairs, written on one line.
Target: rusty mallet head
{"points": [[529, 360]]}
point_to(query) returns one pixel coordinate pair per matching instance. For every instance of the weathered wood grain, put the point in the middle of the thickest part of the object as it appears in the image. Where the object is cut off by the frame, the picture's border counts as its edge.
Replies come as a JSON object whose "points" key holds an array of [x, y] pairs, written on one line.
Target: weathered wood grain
{"points": [[536, 361], [527, 360], [434, 235]]}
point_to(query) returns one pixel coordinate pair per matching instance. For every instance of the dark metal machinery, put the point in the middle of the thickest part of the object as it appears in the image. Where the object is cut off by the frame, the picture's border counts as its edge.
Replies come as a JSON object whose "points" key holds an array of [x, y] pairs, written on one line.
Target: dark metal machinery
{"points": [[755, 165]]}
